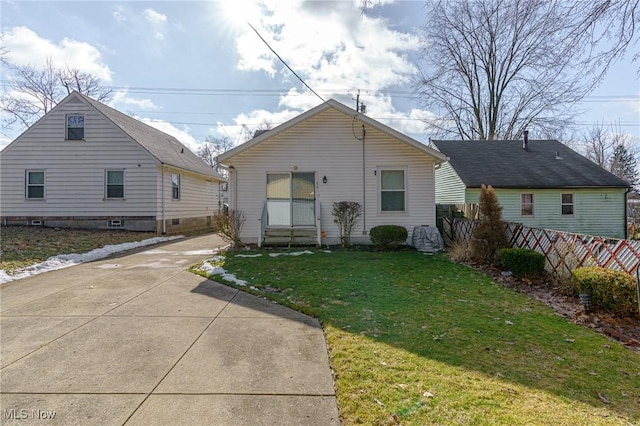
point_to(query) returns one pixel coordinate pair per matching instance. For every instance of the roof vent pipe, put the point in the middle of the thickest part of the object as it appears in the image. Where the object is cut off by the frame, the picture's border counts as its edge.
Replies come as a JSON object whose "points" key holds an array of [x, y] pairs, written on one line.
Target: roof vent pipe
{"points": [[525, 141]]}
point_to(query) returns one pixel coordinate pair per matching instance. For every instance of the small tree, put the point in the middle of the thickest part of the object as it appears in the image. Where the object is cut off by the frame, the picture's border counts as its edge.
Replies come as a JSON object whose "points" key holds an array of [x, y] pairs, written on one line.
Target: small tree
{"points": [[489, 236], [230, 225], [346, 214]]}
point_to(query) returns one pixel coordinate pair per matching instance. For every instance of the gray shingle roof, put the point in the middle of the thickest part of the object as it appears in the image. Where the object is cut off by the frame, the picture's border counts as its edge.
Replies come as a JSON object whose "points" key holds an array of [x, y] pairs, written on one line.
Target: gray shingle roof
{"points": [[505, 164], [165, 148]]}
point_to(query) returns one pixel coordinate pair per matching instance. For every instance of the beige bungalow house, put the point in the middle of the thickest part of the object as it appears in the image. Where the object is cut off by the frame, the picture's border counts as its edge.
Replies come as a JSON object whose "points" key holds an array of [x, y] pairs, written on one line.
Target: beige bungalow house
{"points": [[285, 180], [86, 165]]}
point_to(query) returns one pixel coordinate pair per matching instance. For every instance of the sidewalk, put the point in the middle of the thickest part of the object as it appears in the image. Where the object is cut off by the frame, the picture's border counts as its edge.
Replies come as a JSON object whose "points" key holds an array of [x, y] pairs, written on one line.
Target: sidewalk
{"points": [[138, 340]]}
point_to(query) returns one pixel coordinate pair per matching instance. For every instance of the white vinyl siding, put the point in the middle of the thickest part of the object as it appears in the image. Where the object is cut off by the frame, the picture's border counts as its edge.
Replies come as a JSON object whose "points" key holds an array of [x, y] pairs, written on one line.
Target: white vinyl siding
{"points": [[449, 186], [75, 172], [325, 144], [198, 196]]}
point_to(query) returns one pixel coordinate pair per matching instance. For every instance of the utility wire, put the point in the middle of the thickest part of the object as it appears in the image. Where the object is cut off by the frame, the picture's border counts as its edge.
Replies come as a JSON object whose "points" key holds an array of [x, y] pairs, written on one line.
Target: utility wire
{"points": [[285, 64]]}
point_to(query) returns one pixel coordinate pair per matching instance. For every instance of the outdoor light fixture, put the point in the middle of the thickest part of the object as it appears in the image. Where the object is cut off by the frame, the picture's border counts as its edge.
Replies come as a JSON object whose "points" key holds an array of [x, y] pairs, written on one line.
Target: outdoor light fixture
{"points": [[324, 179], [585, 300]]}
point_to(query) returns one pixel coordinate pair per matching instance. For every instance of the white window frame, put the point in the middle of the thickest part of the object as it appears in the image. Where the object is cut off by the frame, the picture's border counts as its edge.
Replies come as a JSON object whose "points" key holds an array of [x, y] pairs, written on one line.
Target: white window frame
{"points": [[522, 204], [106, 184], [379, 172], [572, 204], [27, 184], [67, 127], [175, 186]]}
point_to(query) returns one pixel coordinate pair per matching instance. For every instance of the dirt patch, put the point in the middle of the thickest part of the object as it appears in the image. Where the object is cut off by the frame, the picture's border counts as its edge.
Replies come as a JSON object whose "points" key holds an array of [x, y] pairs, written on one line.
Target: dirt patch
{"points": [[623, 330]]}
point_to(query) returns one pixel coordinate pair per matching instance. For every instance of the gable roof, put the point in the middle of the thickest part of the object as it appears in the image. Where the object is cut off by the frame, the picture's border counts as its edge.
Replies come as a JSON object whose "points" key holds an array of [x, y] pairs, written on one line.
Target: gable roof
{"points": [[332, 103], [505, 164], [165, 148]]}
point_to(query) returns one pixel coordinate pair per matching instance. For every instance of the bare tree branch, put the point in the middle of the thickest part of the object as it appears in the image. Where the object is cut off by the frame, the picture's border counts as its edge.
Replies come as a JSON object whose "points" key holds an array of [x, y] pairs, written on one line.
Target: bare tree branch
{"points": [[493, 68]]}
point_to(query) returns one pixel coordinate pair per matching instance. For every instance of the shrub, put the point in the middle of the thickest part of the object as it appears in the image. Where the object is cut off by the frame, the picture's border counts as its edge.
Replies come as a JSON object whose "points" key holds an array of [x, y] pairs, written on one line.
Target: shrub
{"points": [[230, 225], [613, 291], [488, 237], [522, 262], [387, 237], [459, 250], [346, 214]]}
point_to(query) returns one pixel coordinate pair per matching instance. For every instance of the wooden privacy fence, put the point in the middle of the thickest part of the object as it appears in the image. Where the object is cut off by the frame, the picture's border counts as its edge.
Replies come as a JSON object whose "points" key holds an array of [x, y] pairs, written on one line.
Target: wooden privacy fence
{"points": [[564, 251]]}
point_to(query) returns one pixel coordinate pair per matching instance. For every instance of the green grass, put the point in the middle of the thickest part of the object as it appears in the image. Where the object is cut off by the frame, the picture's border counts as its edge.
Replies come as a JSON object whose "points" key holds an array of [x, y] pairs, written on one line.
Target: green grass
{"points": [[24, 246], [419, 340]]}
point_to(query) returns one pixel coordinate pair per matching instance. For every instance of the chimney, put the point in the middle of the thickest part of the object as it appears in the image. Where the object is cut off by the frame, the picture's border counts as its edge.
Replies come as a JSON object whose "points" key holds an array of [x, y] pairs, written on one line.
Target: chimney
{"points": [[525, 141]]}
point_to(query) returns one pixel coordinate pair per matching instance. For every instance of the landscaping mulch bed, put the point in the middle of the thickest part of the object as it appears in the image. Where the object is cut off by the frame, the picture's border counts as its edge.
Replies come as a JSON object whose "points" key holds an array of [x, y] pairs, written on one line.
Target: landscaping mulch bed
{"points": [[624, 330]]}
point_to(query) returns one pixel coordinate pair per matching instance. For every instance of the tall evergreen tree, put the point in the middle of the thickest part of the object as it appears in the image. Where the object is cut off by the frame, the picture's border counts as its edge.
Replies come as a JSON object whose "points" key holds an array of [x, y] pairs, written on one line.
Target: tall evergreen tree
{"points": [[624, 165]]}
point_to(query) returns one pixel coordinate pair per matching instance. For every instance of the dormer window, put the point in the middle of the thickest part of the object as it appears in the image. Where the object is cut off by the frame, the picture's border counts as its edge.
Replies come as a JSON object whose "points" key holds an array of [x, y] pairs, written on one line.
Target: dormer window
{"points": [[75, 127]]}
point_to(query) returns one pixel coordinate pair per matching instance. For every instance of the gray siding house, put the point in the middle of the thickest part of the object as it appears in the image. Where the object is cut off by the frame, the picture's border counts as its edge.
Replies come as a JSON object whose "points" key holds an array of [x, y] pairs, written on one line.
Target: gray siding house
{"points": [[86, 165], [286, 179], [539, 183]]}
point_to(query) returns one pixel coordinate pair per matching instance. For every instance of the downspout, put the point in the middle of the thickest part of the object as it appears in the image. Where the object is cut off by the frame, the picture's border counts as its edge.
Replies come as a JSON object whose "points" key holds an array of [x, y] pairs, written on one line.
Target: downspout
{"points": [[626, 217], [164, 225], [364, 190]]}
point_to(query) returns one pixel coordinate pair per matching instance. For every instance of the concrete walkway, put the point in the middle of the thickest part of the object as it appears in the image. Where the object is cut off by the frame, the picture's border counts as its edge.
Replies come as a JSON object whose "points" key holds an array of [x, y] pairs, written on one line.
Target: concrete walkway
{"points": [[138, 340]]}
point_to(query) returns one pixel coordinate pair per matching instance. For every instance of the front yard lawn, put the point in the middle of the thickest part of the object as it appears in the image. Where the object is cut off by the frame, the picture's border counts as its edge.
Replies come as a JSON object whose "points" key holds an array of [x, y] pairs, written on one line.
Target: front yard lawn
{"points": [[416, 340]]}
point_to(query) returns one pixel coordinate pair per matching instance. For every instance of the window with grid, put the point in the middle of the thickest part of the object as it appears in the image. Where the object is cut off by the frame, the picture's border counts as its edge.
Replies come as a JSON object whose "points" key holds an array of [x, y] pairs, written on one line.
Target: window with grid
{"points": [[115, 184], [75, 127], [567, 204], [392, 191], [526, 204], [34, 184]]}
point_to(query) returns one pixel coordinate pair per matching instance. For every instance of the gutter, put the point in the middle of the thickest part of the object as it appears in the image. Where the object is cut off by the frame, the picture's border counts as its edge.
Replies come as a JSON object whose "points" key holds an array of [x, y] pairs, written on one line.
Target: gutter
{"points": [[164, 225]]}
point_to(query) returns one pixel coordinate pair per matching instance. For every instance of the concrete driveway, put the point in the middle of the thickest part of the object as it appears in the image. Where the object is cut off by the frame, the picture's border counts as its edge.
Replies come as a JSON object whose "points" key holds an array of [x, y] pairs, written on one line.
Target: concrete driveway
{"points": [[138, 340]]}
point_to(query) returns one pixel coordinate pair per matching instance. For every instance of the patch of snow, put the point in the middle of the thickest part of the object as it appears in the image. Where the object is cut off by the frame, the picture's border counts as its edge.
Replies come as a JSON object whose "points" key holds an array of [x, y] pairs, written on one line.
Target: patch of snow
{"points": [[248, 255], [294, 253], [66, 260], [327, 251], [218, 270]]}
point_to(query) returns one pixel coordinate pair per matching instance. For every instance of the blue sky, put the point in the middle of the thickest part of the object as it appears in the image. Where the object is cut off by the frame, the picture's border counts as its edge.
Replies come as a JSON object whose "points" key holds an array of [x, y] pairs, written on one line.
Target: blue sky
{"points": [[195, 68]]}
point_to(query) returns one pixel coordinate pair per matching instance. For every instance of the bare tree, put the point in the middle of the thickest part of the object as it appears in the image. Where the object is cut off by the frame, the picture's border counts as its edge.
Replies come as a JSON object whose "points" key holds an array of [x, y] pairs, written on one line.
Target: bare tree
{"points": [[250, 132], [33, 91], [612, 27], [598, 144], [212, 147], [492, 68]]}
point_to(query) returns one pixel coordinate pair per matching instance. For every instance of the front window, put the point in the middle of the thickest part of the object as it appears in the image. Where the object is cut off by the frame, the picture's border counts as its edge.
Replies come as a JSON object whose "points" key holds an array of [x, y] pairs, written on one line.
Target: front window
{"points": [[526, 204], [175, 186], [115, 184], [75, 127], [35, 184], [392, 191], [567, 204]]}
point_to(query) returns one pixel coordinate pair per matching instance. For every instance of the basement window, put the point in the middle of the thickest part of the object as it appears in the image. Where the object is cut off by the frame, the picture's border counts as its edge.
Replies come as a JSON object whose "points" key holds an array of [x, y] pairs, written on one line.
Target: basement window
{"points": [[115, 223]]}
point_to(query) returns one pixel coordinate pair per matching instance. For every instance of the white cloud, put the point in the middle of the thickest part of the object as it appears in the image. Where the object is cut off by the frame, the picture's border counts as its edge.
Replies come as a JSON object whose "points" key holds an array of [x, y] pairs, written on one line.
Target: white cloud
{"points": [[4, 141], [121, 99], [182, 135], [118, 14], [158, 22], [336, 50], [27, 47], [155, 17]]}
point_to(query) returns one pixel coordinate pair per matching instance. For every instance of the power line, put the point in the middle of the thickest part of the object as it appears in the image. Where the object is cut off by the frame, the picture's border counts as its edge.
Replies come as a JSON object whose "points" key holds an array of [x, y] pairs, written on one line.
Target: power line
{"points": [[285, 64]]}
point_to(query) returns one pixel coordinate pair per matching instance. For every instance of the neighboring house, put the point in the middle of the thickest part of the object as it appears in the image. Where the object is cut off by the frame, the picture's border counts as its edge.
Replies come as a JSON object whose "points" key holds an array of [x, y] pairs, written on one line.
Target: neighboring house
{"points": [[86, 165], [285, 180], [539, 183]]}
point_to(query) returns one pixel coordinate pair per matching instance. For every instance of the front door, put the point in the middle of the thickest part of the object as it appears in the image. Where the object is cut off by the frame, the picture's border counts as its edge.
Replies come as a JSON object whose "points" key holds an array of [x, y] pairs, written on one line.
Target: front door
{"points": [[291, 199]]}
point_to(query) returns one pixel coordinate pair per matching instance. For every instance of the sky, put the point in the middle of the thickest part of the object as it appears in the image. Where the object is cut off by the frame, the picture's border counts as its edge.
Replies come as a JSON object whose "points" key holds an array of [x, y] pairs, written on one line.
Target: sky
{"points": [[196, 69]]}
